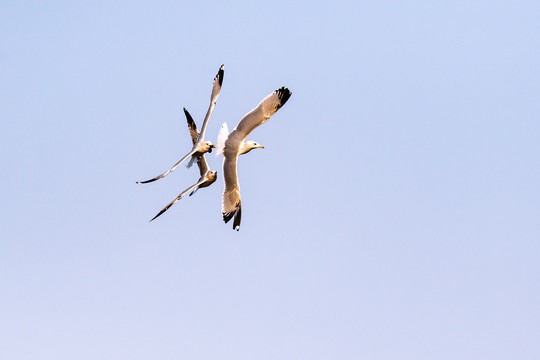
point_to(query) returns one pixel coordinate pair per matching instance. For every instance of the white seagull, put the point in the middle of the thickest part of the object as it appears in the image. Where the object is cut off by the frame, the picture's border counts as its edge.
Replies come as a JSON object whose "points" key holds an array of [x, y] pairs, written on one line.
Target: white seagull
{"points": [[208, 177], [234, 144], [200, 146]]}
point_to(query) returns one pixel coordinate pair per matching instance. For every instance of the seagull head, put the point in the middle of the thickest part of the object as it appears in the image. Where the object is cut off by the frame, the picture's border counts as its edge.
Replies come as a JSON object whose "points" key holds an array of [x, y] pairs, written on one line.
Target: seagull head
{"points": [[212, 176], [247, 146], [209, 146]]}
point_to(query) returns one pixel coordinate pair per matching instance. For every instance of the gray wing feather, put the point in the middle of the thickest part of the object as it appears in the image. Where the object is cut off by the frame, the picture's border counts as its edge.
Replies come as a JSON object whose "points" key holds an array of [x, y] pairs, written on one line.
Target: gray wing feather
{"points": [[266, 108], [216, 88], [192, 127], [231, 194]]}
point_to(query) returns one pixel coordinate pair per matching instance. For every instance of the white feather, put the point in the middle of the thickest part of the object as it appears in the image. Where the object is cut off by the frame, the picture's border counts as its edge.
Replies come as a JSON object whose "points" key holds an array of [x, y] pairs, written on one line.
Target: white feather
{"points": [[222, 137]]}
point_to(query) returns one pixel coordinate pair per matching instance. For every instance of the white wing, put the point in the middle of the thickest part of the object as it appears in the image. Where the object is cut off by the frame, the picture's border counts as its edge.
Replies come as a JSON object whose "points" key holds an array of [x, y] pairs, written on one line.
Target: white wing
{"points": [[170, 170], [262, 112], [221, 138], [231, 204], [216, 88]]}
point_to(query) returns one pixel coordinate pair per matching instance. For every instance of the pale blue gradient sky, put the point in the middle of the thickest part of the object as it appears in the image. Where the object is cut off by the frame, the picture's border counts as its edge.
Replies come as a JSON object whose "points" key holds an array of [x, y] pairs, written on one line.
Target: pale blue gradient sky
{"points": [[394, 213]]}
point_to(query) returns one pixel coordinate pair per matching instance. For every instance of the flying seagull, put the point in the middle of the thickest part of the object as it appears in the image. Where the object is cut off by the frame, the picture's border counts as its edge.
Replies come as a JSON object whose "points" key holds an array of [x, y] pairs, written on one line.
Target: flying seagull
{"points": [[200, 146], [208, 177], [235, 144]]}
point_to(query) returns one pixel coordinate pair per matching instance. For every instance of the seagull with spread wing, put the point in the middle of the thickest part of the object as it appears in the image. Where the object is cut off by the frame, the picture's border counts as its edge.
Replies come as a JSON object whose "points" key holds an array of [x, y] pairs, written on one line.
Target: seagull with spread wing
{"points": [[234, 144], [208, 177], [200, 147]]}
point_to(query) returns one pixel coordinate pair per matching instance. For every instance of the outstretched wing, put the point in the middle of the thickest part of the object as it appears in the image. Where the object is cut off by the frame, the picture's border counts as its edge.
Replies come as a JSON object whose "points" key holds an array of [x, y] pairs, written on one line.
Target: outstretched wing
{"points": [[231, 205], [201, 161], [170, 170], [216, 88], [179, 197], [192, 127], [262, 112], [221, 138]]}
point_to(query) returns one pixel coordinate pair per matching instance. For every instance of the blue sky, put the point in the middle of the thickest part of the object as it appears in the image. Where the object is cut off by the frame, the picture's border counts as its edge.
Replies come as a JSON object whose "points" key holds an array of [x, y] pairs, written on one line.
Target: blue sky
{"points": [[393, 213]]}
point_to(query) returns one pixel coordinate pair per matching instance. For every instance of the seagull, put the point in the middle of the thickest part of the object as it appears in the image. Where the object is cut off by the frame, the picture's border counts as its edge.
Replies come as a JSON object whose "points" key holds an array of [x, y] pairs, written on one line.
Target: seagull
{"points": [[208, 177], [200, 146], [234, 144]]}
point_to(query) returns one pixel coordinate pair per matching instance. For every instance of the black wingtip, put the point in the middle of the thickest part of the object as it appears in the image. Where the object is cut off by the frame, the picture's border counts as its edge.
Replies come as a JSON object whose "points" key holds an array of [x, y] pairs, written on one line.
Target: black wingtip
{"points": [[220, 74], [145, 182], [188, 117], [155, 217], [283, 94], [228, 216], [237, 214], [159, 213], [237, 218]]}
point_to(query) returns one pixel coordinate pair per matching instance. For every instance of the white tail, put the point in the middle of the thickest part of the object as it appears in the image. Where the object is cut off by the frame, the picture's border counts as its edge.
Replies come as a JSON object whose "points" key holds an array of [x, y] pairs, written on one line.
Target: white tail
{"points": [[221, 138]]}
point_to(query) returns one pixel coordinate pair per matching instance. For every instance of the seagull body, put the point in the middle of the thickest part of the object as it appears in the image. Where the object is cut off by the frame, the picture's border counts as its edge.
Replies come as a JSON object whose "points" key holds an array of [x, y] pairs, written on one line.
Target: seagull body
{"points": [[200, 146], [208, 177], [234, 144]]}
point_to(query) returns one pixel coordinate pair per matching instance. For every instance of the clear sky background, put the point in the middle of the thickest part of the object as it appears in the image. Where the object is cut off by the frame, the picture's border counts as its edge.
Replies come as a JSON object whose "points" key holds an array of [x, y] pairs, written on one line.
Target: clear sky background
{"points": [[394, 213]]}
